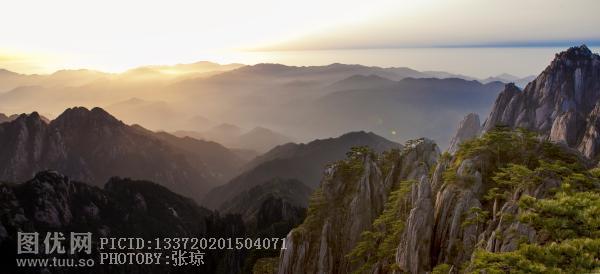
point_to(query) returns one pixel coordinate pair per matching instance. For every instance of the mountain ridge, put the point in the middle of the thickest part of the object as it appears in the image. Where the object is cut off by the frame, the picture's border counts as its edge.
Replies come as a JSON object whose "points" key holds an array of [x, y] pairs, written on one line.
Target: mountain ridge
{"points": [[303, 162], [561, 104], [92, 146]]}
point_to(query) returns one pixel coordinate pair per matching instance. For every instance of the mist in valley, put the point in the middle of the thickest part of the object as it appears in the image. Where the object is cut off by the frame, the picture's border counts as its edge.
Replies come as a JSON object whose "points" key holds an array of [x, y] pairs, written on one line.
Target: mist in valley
{"points": [[260, 106]]}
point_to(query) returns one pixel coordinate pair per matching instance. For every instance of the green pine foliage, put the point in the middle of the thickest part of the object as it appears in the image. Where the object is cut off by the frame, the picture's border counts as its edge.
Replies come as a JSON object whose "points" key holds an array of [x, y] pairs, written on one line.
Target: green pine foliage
{"points": [[477, 217], [441, 269], [502, 147], [352, 167], [380, 243], [579, 255], [316, 207], [566, 216], [567, 223], [568, 227], [349, 169], [388, 159]]}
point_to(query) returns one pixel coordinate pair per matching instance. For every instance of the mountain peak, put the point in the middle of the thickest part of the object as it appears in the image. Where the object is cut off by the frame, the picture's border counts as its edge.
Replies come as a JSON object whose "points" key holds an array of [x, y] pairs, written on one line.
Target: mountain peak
{"points": [[7, 72], [34, 116], [573, 54], [560, 104], [50, 176], [582, 50], [468, 129], [511, 87], [84, 115]]}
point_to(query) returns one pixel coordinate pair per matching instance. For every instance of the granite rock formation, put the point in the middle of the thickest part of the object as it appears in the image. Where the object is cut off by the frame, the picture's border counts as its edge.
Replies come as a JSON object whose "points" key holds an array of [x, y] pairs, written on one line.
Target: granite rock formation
{"points": [[468, 128], [562, 103]]}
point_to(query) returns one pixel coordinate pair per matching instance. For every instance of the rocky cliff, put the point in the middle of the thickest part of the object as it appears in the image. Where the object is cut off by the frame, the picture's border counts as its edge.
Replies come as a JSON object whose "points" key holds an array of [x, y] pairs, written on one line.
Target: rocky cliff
{"points": [[468, 128], [416, 212], [352, 195], [92, 146], [562, 103], [519, 197]]}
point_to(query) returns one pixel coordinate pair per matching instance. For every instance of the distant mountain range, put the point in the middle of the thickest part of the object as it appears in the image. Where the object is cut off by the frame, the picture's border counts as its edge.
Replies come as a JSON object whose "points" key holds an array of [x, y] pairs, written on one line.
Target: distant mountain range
{"points": [[283, 99], [81, 77], [150, 114], [258, 139], [301, 162], [92, 146], [332, 100], [361, 82], [508, 78], [402, 110]]}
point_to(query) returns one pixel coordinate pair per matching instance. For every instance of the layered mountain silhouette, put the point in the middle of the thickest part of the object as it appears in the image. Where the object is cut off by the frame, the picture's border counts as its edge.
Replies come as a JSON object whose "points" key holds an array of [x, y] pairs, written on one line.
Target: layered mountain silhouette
{"points": [[302, 162], [262, 139], [258, 139], [508, 78], [562, 103], [406, 109], [292, 194], [202, 68], [248, 96], [323, 100], [151, 114], [92, 146], [81, 77], [500, 196], [361, 82]]}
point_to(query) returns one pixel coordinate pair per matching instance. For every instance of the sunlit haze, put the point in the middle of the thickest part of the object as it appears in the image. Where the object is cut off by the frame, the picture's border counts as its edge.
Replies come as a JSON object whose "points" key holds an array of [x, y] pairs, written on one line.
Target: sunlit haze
{"points": [[43, 36]]}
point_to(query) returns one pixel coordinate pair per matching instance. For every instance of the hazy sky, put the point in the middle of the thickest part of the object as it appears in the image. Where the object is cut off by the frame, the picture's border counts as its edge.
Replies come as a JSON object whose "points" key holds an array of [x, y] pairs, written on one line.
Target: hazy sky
{"points": [[113, 35]]}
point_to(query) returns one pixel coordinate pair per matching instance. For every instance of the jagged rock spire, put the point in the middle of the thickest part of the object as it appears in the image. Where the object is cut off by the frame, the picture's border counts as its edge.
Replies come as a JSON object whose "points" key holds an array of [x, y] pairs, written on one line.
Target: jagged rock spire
{"points": [[559, 104], [468, 128]]}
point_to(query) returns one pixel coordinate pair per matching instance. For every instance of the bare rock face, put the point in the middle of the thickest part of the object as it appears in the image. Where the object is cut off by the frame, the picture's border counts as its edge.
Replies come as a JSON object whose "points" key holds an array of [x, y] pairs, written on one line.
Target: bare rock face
{"points": [[591, 138], [452, 241], [468, 128], [560, 104], [319, 246], [414, 251], [348, 207]]}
